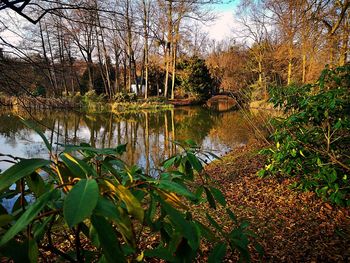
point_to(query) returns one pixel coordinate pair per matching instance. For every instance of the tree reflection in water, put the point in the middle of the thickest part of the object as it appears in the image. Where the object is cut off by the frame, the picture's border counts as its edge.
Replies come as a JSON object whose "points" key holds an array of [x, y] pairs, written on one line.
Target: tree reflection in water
{"points": [[148, 134]]}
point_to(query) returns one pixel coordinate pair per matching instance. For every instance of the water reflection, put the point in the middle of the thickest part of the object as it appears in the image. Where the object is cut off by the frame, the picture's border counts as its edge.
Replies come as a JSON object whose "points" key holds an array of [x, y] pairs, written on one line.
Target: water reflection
{"points": [[148, 133]]}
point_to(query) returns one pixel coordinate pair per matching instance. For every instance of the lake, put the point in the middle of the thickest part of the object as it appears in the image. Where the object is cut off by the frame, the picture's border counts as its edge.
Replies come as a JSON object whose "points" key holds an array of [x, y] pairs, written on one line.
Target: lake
{"points": [[148, 134]]}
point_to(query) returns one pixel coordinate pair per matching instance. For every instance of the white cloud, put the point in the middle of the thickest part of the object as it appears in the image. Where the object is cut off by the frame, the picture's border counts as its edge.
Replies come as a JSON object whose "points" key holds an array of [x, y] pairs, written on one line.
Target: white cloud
{"points": [[223, 26]]}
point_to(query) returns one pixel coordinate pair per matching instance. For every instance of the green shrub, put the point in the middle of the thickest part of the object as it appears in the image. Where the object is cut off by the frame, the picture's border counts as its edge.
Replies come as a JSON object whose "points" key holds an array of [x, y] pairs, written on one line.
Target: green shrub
{"points": [[313, 140], [105, 208], [194, 78], [40, 91], [156, 99], [125, 97]]}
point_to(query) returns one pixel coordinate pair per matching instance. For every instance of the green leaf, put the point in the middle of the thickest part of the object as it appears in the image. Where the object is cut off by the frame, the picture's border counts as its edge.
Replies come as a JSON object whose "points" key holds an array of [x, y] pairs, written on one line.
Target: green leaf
{"points": [[259, 249], [34, 127], [261, 173], [121, 148], [210, 198], [16, 251], [232, 215], [109, 166], [172, 186], [161, 253], [187, 229], [102, 259], [39, 228], [5, 219], [332, 176], [72, 169], [109, 210], [108, 240], [168, 163], [218, 195], [88, 149], [214, 156], [196, 164], [191, 143], [205, 231], [19, 170], [218, 253], [214, 223], [132, 204], [78, 167], [36, 184], [27, 217], [33, 251], [80, 201]]}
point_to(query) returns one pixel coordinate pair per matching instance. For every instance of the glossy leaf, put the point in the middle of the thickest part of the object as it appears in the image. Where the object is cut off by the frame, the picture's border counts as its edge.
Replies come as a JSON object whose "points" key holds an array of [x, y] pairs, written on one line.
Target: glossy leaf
{"points": [[27, 217], [205, 231], [172, 186], [218, 253], [109, 210], [210, 198], [172, 199], [170, 162], [19, 170], [105, 151], [132, 204], [218, 195], [78, 167], [108, 240], [196, 164], [232, 215], [39, 228], [33, 251], [80, 201], [187, 229], [36, 184], [161, 253]]}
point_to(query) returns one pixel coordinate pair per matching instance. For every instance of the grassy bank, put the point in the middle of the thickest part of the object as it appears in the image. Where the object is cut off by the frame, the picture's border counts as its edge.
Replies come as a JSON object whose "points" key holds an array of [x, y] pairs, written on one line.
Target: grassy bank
{"points": [[261, 104], [82, 104], [292, 226], [117, 107]]}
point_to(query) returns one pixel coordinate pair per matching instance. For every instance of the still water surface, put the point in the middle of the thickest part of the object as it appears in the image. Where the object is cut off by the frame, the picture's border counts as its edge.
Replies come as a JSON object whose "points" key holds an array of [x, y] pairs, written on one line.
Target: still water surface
{"points": [[148, 134]]}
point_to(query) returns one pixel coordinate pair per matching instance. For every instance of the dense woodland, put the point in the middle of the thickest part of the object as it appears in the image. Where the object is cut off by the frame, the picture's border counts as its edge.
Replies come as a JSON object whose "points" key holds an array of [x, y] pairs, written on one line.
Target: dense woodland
{"points": [[107, 47], [282, 196]]}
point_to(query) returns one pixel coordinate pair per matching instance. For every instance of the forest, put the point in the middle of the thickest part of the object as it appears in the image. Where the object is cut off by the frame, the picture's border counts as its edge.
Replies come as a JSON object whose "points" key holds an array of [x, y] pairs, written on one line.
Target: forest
{"points": [[119, 47], [111, 149]]}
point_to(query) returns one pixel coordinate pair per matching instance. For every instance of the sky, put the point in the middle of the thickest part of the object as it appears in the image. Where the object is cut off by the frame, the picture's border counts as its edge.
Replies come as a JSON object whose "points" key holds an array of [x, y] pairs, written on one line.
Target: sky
{"points": [[218, 30], [225, 23]]}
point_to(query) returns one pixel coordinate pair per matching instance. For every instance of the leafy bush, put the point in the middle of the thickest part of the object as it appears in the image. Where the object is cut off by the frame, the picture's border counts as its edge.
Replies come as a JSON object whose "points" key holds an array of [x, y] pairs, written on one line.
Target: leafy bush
{"points": [[40, 91], [195, 78], [125, 97], [156, 99], [313, 140], [104, 208]]}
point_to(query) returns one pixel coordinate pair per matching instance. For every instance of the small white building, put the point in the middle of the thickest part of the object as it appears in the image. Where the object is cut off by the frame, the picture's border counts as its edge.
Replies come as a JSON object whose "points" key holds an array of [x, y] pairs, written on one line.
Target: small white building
{"points": [[134, 89]]}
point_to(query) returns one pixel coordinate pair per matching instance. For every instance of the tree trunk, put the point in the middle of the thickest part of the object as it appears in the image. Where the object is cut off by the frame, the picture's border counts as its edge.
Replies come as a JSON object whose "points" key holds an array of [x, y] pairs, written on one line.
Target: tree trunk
{"points": [[48, 64], [145, 29], [345, 42], [290, 57], [304, 68], [116, 57], [173, 77], [168, 46]]}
